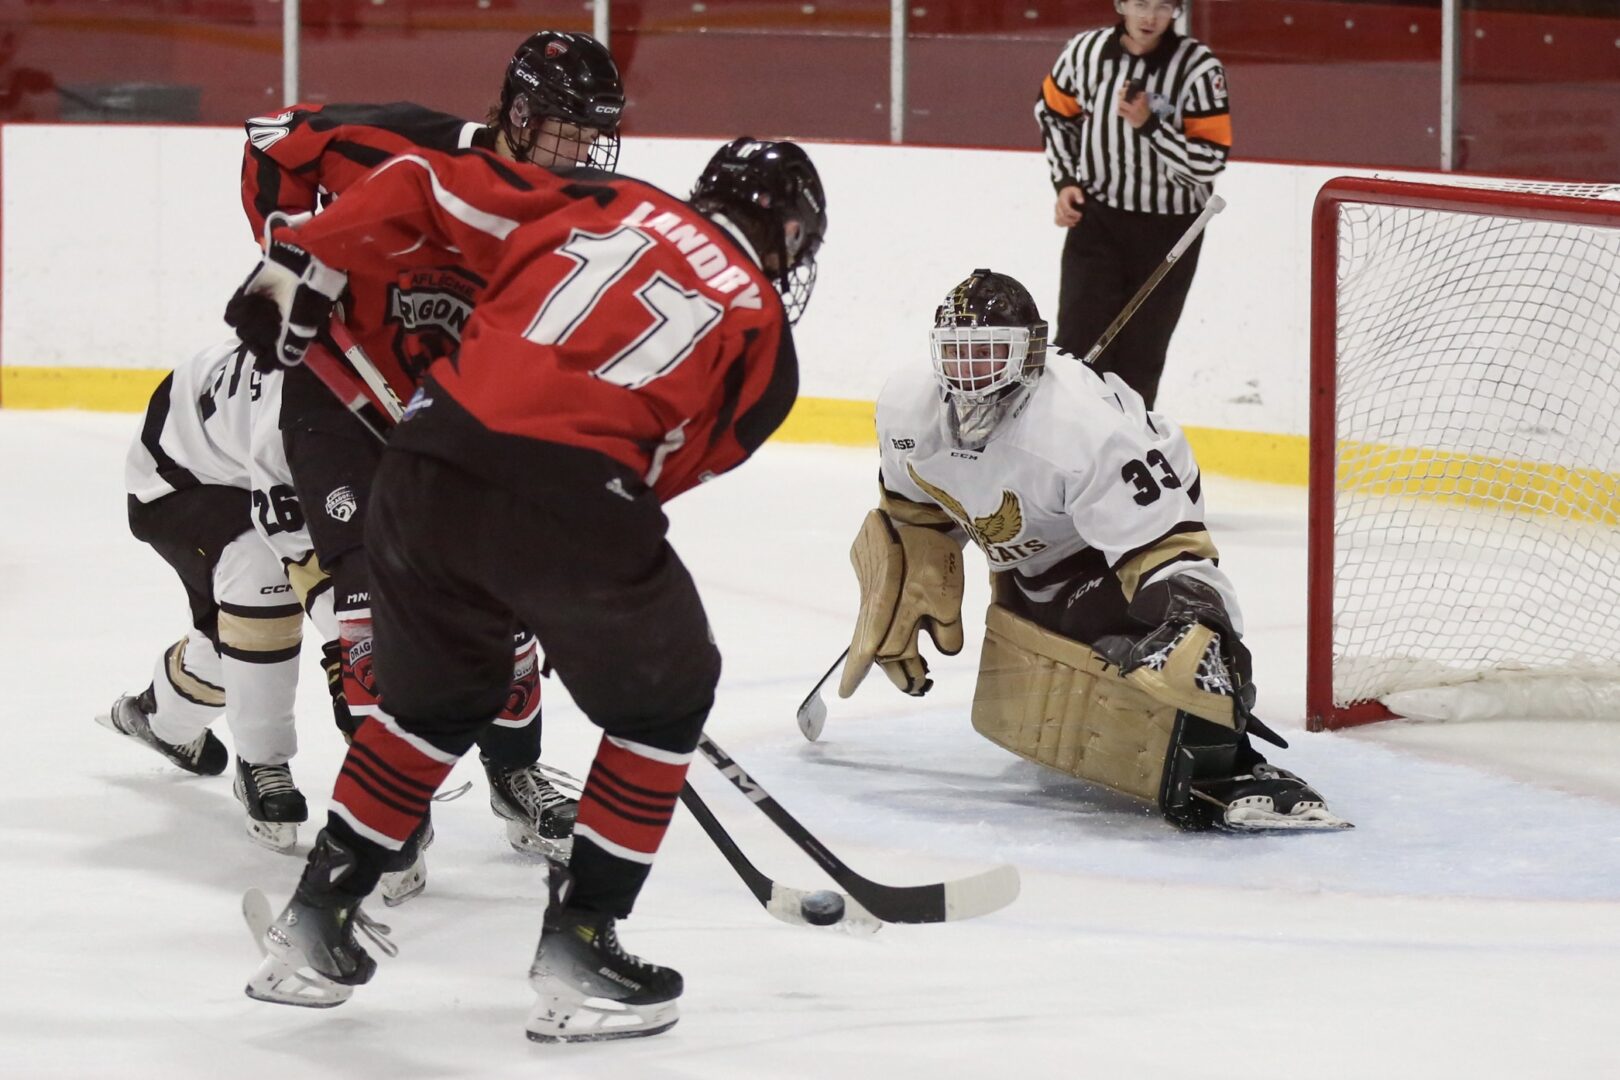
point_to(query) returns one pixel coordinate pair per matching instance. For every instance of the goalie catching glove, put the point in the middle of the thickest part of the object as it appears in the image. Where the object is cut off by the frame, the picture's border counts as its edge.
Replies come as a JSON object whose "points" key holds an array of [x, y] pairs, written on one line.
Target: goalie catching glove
{"points": [[284, 303], [911, 579]]}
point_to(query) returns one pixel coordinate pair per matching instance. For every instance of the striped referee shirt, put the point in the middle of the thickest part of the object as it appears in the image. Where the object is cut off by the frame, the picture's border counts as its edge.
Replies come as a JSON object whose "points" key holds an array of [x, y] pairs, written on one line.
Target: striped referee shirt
{"points": [[1169, 164]]}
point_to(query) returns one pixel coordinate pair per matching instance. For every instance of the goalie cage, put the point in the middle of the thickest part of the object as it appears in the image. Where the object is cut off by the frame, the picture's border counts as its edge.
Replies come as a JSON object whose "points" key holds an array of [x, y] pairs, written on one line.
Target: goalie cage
{"points": [[1464, 551]]}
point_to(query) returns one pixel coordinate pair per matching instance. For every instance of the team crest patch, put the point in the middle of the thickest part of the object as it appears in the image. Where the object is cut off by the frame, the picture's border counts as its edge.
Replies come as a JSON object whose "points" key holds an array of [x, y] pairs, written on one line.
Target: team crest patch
{"points": [[341, 503], [555, 49]]}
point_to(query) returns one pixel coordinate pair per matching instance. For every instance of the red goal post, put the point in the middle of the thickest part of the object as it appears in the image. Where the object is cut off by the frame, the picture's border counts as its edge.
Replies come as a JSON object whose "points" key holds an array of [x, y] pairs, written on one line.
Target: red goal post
{"points": [[1464, 542]]}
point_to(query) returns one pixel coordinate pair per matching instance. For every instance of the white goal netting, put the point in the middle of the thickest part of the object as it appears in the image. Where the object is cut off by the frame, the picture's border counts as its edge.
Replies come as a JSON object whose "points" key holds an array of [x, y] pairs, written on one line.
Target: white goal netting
{"points": [[1476, 507]]}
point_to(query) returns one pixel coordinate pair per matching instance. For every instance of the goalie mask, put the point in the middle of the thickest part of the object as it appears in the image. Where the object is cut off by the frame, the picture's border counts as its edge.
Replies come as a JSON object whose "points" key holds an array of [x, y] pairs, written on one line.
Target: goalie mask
{"points": [[561, 102], [988, 348], [770, 191]]}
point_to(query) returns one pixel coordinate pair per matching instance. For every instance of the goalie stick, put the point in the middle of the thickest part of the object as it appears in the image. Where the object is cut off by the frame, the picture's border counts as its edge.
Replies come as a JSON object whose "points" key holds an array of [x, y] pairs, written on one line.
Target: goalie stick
{"points": [[945, 901], [1215, 205], [812, 714]]}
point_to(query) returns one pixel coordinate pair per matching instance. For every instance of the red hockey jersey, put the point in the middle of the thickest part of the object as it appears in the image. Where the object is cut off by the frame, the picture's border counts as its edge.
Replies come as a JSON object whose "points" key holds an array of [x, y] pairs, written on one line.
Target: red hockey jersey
{"points": [[616, 317], [301, 159]]}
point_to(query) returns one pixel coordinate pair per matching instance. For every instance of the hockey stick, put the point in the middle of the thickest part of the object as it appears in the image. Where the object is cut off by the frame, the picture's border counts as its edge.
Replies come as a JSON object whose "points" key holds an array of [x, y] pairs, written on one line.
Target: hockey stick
{"points": [[800, 907], [812, 714], [381, 393], [1215, 205], [945, 901]]}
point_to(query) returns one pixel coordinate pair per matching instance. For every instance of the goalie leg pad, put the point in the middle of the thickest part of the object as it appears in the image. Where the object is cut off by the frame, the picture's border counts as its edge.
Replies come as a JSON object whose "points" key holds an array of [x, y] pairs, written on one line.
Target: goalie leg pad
{"points": [[1058, 703], [910, 579]]}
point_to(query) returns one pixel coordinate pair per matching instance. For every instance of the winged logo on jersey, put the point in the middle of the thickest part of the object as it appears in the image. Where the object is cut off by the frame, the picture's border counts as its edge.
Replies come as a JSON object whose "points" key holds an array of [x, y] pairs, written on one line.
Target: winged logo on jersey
{"points": [[1000, 527]]}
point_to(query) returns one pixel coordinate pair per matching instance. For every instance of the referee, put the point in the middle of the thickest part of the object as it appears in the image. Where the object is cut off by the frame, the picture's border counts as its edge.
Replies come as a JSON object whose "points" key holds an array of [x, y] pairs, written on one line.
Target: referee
{"points": [[1136, 127]]}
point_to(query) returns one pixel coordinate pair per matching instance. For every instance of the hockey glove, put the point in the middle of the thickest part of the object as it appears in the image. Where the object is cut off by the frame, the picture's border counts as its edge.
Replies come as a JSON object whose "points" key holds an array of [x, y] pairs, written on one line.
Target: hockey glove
{"points": [[284, 304], [332, 664]]}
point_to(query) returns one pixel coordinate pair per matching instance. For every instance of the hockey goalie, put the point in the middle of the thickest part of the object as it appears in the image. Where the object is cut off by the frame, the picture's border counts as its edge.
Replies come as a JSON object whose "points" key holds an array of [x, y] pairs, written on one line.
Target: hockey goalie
{"points": [[1113, 644]]}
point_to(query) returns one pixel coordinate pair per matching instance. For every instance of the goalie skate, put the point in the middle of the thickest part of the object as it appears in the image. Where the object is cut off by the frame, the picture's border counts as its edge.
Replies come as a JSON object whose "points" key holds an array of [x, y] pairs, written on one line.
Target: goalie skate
{"points": [[589, 988], [1269, 799]]}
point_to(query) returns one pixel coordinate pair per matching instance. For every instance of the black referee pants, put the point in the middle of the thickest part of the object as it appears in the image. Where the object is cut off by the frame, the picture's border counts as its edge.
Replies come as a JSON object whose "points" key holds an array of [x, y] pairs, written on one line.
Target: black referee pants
{"points": [[1106, 258]]}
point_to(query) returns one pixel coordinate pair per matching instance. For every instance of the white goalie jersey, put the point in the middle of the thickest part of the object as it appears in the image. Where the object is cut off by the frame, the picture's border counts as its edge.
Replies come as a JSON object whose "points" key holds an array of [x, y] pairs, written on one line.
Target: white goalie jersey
{"points": [[216, 420], [1080, 463]]}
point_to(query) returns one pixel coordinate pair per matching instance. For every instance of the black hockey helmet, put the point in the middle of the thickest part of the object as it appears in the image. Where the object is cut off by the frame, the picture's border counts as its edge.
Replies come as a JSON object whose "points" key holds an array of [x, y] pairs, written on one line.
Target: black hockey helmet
{"points": [[570, 78], [988, 346], [771, 191]]}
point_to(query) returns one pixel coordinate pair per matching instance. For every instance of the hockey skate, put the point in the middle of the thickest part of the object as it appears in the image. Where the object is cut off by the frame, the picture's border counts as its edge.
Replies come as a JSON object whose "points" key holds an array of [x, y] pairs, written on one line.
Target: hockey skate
{"points": [[539, 817], [275, 807], [130, 715], [401, 885], [1266, 798], [590, 988], [311, 956]]}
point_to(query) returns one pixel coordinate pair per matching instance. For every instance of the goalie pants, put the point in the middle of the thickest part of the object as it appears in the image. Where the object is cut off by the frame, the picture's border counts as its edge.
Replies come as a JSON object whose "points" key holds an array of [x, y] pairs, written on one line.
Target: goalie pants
{"points": [[579, 556], [1106, 258], [241, 654], [333, 459]]}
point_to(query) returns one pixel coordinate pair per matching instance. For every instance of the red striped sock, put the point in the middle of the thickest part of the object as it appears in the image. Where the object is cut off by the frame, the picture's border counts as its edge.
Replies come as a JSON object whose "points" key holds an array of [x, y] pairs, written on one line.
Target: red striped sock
{"points": [[387, 782], [629, 798]]}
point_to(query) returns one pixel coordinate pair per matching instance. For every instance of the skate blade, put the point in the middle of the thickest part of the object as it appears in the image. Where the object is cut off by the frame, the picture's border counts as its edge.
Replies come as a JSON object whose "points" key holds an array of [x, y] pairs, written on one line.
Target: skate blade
{"points": [[1257, 819], [562, 1015], [399, 887], [525, 841], [275, 980], [278, 836]]}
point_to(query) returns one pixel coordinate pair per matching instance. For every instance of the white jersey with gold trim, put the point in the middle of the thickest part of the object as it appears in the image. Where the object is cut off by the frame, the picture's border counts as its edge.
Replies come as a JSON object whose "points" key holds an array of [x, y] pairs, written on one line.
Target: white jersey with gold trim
{"points": [[1080, 463]]}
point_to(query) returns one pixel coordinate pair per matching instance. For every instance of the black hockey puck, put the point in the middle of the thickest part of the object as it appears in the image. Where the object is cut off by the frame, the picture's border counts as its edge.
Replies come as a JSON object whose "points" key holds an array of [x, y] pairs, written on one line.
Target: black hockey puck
{"points": [[822, 908]]}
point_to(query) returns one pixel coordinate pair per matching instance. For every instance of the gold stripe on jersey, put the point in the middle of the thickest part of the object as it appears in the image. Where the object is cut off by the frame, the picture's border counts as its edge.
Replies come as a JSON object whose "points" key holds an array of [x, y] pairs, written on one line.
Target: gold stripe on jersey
{"points": [[1193, 544], [308, 579], [906, 512]]}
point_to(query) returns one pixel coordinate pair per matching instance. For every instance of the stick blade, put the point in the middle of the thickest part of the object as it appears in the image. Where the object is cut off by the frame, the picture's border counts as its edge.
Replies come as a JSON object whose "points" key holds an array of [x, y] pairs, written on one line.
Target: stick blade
{"points": [[981, 894], [812, 715], [256, 912]]}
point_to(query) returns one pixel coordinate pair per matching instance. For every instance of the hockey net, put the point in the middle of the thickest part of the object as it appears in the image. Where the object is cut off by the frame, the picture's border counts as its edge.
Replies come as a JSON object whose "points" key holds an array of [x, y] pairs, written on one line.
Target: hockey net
{"points": [[1465, 452]]}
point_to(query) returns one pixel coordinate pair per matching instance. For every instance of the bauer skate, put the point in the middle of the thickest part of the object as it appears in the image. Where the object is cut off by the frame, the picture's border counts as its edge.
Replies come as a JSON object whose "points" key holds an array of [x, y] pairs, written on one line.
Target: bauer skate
{"points": [[1266, 798], [275, 807], [131, 715], [589, 988], [539, 816], [311, 955]]}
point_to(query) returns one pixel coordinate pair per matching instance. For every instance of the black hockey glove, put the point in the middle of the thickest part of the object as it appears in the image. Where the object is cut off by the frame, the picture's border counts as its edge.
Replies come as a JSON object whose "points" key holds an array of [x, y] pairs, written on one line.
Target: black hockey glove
{"points": [[283, 304], [332, 665], [1167, 607]]}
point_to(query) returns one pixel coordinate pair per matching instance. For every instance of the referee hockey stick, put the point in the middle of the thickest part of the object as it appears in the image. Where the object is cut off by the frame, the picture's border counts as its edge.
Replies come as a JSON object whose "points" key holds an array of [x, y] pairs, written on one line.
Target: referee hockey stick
{"points": [[800, 907], [945, 901], [812, 714], [1215, 205]]}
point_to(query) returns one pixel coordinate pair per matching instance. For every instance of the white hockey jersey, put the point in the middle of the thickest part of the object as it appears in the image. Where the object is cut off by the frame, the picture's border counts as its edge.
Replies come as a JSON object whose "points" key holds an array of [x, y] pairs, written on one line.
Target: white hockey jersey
{"points": [[1080, 463], [217, 421]]}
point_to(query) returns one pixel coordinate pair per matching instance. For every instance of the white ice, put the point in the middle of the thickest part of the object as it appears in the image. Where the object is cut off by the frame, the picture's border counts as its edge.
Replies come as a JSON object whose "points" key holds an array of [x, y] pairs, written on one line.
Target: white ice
{"points": [[1468, 927]]}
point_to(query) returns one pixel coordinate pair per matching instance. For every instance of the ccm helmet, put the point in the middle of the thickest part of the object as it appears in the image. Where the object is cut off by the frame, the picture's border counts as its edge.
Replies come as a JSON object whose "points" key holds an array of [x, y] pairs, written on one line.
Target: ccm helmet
{"points": [[570, 78], [770, 190]]}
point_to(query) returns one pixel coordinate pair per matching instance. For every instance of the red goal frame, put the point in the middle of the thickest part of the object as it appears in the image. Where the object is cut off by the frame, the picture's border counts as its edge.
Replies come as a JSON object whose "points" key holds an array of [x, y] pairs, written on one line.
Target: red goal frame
{"points": [[1320, 712]]}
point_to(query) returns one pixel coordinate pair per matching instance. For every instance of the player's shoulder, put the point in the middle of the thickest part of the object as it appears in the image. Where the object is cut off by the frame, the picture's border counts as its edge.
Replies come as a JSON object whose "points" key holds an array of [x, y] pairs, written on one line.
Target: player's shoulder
{"points": [[1073, 411], [395, 125], [1089, 37], [909, 399], [1194, 53]]}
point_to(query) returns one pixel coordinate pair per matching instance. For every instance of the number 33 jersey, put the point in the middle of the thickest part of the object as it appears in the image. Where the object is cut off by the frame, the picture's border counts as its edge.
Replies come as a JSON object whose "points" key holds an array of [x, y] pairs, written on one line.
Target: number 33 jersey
{"points": [[616, 317], [1079, 464]]}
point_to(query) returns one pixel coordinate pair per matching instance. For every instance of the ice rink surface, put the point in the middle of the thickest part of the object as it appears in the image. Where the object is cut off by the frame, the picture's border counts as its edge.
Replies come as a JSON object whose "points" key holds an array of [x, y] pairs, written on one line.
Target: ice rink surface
{"points": [[1468, 927]]}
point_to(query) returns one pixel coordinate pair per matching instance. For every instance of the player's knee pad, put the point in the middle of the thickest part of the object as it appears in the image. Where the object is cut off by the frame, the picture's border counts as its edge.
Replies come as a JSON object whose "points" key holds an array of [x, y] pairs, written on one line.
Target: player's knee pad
{"points": [[1057, 702], [910, 579]]}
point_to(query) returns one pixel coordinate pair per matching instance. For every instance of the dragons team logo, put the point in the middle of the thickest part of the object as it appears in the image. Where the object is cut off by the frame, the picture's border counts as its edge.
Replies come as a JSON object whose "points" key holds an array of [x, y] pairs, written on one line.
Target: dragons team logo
{"points": [[555, 49], [990, 532], [429, 310]]}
